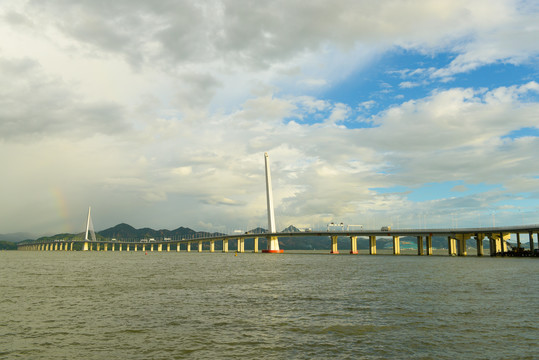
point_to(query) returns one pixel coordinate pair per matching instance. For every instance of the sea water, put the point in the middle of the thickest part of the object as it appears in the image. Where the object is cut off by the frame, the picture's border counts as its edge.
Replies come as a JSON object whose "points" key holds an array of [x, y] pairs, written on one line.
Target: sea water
{"points": [[129, 305]]}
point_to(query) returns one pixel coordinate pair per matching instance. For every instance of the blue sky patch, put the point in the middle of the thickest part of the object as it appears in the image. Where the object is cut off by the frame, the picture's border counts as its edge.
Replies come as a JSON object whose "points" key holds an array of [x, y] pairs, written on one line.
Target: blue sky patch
{"points": [[527, 131]]}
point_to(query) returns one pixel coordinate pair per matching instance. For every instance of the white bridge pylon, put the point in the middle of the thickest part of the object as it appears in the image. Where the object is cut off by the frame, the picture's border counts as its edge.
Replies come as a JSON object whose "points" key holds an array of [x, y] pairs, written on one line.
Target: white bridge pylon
{"points": [[89, 227], [273, 241]]}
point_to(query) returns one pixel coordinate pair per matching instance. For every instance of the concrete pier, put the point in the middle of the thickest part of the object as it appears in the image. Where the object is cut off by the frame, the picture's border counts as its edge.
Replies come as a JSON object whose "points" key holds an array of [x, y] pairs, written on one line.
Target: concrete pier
{"points": [[241, 245], [212, 245], [189, 247], [451, 246], [256, 244], [334, 246], [225, 245], [479, 244], [429, 245], [396, 245], [372, 245], [420, 250], [200, 246], [353, 245]]}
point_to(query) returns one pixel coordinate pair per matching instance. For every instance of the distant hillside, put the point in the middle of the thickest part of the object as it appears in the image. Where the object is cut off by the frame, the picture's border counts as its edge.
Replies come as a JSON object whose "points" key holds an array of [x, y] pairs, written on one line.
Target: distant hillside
{"points": [[8, 245], [127, 232]]}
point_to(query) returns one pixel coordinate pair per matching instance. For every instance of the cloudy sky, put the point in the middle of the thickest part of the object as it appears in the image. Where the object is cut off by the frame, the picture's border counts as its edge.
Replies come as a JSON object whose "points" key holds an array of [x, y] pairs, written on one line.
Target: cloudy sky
{"points": [[158, 113]]}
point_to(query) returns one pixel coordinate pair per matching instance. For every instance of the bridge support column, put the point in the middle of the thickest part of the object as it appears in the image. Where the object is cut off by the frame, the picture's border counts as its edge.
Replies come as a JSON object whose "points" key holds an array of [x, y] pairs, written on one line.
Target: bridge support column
{"points": [[159, 247], [420, 250], [113, 247], [85, 246], [189, 247], [55, 246], [135, 246], [126, 247], [451, 246], [106, 247], [273, 245], [372, 245], [461, 244], [353, 245], [178, 247], [225, 245], [168, 247], [200, 246], [531, 241], [518, 242], [241, 245], [462, 247], [61, 247], [493, 245], [212, 245], [429, 245], [396, 245], [503, 242], [479, 244], [119, 247], [334, 246], [256, 245], [98, 247]]}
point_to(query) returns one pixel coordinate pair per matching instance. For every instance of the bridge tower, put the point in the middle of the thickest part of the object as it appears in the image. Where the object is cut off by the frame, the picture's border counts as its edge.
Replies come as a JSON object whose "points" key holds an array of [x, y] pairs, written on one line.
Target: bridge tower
{"points": [[90, 229], [273, 241]]}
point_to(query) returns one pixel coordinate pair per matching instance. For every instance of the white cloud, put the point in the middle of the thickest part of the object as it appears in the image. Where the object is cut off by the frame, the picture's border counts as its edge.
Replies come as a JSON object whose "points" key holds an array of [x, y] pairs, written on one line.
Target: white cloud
{"points": [[408, 85], [158, 114]]}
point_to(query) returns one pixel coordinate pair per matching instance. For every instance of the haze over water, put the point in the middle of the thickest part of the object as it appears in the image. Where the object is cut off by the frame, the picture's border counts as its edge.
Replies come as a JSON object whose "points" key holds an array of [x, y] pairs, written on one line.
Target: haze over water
{"points": [[89, 305]]}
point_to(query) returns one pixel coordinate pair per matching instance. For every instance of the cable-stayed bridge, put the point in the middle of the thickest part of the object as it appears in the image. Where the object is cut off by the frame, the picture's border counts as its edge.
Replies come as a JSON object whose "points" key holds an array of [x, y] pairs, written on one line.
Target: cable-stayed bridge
{"points": [[456, 238]]}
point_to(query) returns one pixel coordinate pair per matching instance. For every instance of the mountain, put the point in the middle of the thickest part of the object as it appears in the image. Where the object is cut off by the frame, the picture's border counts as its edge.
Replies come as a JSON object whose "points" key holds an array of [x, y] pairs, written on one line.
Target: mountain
{"points": [[291, 229], [125, 232]]}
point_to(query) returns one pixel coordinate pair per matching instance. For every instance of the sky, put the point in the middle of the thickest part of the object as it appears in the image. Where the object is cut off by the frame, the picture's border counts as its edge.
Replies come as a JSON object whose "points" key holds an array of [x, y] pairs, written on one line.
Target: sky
{"points": [[415, 114]]}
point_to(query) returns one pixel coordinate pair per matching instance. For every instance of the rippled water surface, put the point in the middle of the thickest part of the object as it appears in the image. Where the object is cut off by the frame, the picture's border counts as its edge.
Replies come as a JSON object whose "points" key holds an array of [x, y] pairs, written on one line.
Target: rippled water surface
{"points": [[90, 305]]}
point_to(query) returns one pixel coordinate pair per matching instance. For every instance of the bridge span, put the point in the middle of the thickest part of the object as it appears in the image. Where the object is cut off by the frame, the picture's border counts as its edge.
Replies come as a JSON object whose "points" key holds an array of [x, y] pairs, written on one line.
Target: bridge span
{"points": [[456, 238], [456, 241]]}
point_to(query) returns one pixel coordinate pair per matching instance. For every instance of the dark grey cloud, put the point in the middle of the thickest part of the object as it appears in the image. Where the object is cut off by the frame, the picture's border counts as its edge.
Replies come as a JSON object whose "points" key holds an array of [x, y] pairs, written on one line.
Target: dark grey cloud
{"points": [[253, 34]]}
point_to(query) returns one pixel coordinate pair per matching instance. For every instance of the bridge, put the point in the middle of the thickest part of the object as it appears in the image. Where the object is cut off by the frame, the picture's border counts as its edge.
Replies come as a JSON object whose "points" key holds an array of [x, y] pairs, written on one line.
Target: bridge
{"points": [[456, 241], [456, 238]]}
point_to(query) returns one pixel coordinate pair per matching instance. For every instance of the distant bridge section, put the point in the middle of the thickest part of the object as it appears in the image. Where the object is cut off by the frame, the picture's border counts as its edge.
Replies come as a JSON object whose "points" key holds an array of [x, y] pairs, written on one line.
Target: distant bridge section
{"points": [[456, 241]]}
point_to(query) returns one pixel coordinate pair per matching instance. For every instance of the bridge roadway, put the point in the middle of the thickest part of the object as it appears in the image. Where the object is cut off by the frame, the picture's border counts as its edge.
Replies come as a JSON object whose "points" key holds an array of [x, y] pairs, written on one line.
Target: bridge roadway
{"points": [[456, 240]]}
